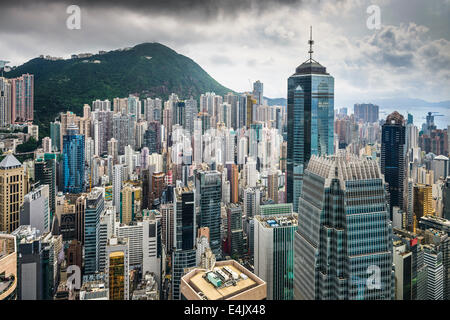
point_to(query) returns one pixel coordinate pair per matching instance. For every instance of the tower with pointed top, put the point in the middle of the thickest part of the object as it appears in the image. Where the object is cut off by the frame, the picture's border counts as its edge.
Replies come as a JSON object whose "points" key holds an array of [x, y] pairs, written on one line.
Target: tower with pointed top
{"points": [[310, 120]]}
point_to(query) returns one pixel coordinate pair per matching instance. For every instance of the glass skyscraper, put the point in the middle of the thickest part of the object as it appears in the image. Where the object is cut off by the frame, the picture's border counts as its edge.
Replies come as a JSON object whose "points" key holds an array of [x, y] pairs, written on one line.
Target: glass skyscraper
{"points": [[274, 249], [310, 121], [343, 244], [94, 208], [184, 253], [393, 157], [73, 160], [209, 195]]}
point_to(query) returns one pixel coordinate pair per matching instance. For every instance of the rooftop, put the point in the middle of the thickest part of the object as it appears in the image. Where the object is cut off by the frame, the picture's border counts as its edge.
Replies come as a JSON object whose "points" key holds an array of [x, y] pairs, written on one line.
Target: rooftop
{"points": [[9, 162], [227, 281]]}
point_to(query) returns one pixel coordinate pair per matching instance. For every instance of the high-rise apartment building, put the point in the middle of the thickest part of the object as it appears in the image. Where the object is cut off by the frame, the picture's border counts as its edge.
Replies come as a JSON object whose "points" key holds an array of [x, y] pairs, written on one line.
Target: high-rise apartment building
{"points": [[22, 98]]}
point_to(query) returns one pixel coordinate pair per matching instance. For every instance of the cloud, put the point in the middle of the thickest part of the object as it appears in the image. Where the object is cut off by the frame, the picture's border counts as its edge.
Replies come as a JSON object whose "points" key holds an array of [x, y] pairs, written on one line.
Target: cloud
{"points": [[235, 41]]}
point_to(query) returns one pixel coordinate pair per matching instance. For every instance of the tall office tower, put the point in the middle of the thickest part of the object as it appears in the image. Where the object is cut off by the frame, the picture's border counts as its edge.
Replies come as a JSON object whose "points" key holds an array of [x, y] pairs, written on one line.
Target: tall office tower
{"points": [[167, 225], [185, 227], [22, 98], [129, 203], [45, 173], [446, 199], [283, 156], [73, 160], [94, 209], [344, 238], [29, 264], [118, 269], [274, 250], [366, 112], [35, 211], [152, 249], [209, 194], [235, 231], [12, 190], [134, 233], [310, 121], [234, 183], [393, 157], [55, 135], [272, 186], [258, 88], [8, 266], [118, 177], [423, 204], [5, 102]]}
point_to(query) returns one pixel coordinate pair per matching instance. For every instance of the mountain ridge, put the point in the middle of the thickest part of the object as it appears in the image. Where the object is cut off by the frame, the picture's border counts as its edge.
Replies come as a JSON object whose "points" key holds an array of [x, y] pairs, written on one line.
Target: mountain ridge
{"points": [[147, 69]]}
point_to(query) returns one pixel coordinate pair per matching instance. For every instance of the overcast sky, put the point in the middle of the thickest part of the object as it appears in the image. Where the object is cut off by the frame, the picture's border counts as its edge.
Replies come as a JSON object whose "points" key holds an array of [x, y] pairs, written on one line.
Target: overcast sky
{"points": [[238, 41]]}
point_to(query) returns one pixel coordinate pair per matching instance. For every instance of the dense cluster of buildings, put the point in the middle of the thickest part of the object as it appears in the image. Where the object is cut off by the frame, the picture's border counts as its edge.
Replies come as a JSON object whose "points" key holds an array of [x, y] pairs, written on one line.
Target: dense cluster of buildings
{"points": [[225, 197]]}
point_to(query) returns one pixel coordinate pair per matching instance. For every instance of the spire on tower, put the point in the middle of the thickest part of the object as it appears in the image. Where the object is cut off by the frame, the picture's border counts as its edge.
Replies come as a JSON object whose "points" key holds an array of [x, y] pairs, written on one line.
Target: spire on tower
{"points": [[310, 42]]}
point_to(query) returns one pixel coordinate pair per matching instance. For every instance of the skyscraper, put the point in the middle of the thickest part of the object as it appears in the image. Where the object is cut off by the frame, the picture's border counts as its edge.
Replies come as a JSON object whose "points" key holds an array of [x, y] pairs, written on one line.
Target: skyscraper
{"points": [[184, 253], [117, 269], [94, 208], [343, 245], [274, 250], [258, 92], [208, 186], [12, 190], [22, 98], [310, 118], [73, 160], [393, 157]]}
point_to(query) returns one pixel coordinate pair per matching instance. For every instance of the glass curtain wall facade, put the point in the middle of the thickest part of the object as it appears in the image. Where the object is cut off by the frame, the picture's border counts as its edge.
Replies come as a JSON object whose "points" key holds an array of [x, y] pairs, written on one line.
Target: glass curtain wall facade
{"points": [[310, 122], [343, 246]]}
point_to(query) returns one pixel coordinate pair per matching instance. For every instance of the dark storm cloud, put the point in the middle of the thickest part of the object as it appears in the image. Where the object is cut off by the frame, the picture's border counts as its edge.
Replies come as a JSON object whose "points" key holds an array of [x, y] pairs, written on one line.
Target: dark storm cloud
{"points": [[206, 9]]}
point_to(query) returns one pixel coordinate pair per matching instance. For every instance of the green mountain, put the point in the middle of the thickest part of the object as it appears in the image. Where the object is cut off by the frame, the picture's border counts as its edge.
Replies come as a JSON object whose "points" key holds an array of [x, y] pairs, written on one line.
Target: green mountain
{"points": [[148, 69]]}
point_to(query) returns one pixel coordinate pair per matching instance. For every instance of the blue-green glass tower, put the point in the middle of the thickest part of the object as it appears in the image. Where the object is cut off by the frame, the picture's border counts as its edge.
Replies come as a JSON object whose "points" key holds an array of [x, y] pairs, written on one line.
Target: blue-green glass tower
{"points": [[310, 121], [73, 160]]}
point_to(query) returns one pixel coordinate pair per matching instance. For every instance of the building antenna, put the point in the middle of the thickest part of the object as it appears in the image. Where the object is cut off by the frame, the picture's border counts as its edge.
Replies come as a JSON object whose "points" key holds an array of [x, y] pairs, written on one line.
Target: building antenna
{"points": [[310, 42]]}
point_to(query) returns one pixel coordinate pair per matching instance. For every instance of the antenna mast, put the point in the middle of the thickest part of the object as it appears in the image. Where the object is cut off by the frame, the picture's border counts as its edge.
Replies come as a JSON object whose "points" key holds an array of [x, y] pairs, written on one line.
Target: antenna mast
{"points": [[310, 42]]}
